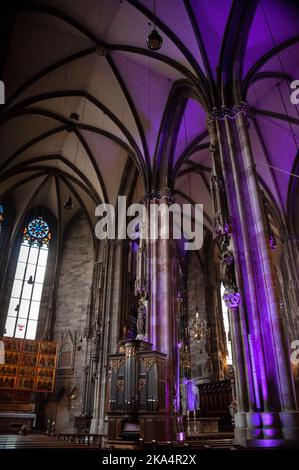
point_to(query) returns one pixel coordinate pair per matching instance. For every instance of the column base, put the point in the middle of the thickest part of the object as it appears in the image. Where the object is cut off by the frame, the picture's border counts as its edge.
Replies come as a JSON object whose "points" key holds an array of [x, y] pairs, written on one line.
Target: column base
{"points": [[290, 425], [266, 443], [94, 425], [267, 429], [97, 426]]}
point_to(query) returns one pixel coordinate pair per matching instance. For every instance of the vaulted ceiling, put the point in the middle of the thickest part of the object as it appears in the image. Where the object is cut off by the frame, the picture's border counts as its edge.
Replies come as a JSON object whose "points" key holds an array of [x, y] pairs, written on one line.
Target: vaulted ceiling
{"points": [[84, 95]]}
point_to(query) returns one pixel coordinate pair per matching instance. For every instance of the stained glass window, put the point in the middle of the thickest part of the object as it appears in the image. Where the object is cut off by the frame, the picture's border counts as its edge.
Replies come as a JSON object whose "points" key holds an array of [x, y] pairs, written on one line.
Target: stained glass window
{"points": [[1, 214], [23, 310], [37, 233]]}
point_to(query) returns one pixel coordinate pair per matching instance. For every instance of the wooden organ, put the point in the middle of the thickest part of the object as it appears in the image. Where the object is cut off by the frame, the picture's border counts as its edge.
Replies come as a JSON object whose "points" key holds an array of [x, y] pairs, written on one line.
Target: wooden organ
{"points": [[136, 392]]}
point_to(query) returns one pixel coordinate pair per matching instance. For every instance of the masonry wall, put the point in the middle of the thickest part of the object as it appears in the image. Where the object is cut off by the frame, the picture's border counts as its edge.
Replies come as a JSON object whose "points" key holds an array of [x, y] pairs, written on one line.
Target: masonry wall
{"points": [[74, 284]]}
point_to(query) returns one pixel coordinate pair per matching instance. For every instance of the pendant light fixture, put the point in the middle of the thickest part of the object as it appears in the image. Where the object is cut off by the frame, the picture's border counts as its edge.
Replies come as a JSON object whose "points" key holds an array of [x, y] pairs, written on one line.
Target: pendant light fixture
{"points": [[30, 281], [68, 205], [1, 214], [154, 40]]}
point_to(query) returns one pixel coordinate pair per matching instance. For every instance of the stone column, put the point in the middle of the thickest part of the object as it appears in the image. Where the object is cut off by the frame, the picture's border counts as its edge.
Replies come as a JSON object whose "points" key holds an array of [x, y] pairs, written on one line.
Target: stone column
{"points": [[117, 306], [162, 302], [267, 409], [115, 259], [101, 344], [222, 231], [96, 328]]}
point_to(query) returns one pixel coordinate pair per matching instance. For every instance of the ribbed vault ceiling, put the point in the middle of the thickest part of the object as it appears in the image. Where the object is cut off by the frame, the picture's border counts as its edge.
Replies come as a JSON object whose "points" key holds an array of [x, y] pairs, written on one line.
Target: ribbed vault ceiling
{"points": [[84, 94]]}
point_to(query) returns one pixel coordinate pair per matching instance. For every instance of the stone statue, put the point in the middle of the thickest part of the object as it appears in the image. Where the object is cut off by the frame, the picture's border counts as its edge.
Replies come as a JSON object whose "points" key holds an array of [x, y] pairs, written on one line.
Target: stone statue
{"points": [[141, 319], [231, 295], [227, 273]]}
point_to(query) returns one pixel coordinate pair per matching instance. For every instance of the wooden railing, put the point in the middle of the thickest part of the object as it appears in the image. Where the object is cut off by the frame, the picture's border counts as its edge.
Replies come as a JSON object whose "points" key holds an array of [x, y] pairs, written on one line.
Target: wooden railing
{"points": [[89, 440], [170, 446]]}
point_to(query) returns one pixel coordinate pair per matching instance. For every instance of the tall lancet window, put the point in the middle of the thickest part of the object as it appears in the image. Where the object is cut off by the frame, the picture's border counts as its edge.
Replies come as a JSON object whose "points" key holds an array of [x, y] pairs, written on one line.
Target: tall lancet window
{"points": [[27, 288]]}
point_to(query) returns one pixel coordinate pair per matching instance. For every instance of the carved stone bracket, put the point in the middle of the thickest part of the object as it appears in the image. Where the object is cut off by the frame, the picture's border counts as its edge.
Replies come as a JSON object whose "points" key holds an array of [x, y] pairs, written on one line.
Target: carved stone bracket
{"points": [[232, 298]]}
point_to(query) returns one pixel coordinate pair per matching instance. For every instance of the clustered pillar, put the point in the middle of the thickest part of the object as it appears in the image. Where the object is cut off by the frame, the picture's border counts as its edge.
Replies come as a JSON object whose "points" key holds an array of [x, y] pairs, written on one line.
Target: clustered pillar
{"points": [[162, 326], [266, 408]]}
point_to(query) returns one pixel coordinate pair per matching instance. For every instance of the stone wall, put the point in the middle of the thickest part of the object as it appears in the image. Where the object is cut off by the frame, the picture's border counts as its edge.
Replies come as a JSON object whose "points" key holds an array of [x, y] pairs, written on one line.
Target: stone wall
{"points": [[75, 280]]}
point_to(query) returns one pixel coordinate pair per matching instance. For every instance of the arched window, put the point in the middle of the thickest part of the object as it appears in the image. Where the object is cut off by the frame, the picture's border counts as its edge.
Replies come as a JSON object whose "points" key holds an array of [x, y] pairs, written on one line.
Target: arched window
{"points": [[229, 358], [27, 288]]}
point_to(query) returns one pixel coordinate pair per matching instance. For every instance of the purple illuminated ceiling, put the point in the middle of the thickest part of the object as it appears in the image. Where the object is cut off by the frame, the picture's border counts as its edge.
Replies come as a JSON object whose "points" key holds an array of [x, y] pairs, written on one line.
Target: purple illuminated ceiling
{"points": [[121, 97]]}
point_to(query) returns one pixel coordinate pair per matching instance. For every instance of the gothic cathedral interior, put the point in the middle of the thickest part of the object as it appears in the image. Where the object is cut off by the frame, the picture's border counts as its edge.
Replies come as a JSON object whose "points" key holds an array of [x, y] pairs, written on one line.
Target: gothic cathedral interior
{"points": [[149, 243]]}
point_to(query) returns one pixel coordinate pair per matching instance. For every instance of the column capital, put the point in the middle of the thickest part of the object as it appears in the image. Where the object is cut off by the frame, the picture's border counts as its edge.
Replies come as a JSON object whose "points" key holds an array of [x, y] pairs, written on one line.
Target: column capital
{"points": [[228, 112], [158, 194]]}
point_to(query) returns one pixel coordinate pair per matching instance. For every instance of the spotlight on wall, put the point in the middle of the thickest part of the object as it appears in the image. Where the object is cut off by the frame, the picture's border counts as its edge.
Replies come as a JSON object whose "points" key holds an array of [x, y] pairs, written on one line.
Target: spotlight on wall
{"points": [[68, 205], [154, 40], [30, 281]]}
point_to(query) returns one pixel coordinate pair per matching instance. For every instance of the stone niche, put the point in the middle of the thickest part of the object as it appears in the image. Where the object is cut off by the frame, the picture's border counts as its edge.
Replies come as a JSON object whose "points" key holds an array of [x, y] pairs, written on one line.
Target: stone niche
{"points": [[67, 351]]}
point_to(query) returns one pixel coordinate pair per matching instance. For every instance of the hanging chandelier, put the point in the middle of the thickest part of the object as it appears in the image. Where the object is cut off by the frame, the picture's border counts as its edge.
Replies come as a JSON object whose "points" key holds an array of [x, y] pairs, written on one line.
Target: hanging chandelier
{"points": [[198, 328], [68, 205], [154, 40]]}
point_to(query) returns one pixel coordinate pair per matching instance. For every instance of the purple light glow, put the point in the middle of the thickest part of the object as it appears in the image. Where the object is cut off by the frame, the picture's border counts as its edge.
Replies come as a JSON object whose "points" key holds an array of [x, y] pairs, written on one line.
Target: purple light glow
{"points": [[271, 432], [269, 419], [190, 396], [254, 419], [269, 443]]}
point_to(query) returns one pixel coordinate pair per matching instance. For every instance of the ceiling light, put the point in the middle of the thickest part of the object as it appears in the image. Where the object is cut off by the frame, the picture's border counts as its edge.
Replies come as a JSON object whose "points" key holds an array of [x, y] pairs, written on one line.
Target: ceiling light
{"points": [[154, 40], [101, 50], [74, 116], [68, 205], [30, 281]]}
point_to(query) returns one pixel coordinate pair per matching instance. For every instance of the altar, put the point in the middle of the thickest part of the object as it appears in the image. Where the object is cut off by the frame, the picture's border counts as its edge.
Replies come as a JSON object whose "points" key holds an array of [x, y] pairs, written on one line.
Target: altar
{"points": [[14, 420]]}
